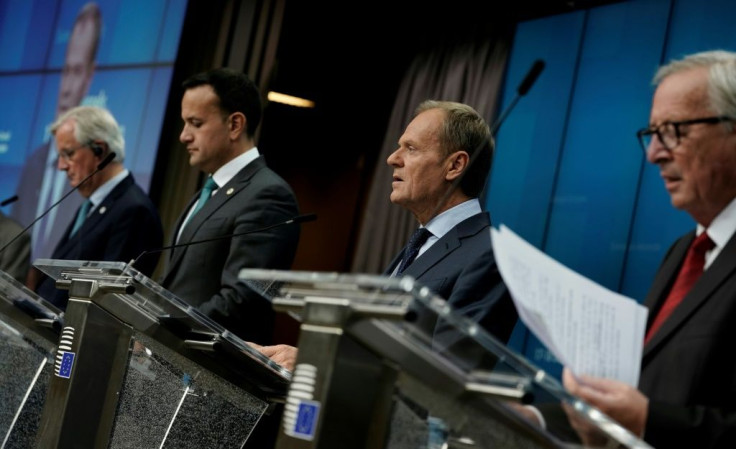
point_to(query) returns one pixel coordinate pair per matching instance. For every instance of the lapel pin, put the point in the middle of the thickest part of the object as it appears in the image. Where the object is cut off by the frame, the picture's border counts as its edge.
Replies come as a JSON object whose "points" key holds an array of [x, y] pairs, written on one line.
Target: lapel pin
{"points": [[230, 191], [103, 209]]}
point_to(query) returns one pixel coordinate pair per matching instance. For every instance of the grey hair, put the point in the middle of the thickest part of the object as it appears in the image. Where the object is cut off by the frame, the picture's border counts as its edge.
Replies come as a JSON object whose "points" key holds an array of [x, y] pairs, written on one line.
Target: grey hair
{"points": [[92, 124], [721, 65]]}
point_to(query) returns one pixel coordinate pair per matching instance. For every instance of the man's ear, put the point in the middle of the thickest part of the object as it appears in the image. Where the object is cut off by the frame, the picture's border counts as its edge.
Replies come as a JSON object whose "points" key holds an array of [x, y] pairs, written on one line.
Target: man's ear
{"points": [[236, 123], [457, 164]]}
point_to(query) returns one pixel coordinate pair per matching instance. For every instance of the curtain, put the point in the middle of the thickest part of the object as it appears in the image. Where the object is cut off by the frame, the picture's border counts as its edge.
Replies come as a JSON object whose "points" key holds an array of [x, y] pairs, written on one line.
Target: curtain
{"points": [[469, 72]]}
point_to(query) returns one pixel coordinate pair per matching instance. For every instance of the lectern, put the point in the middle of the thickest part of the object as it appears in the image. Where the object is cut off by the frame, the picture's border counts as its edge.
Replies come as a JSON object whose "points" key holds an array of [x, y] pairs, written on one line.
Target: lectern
{"points": [[29, 331], [137, 367], [385, 363]]}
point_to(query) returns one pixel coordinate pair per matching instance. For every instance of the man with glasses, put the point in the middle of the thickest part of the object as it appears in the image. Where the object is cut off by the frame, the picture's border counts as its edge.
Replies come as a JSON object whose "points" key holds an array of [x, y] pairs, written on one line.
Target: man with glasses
{"points": [[117, 220], [687, 389], [40, 184]]}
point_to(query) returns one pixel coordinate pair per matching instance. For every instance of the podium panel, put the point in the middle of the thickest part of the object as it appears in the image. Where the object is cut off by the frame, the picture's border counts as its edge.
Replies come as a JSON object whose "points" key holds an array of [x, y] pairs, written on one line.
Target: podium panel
{"points": [[384, 363], [27, 345], [138, 367]]}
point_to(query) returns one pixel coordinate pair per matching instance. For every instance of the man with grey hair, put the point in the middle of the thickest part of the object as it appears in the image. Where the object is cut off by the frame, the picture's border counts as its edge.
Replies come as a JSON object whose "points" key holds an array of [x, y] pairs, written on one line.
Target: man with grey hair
{"points": [[40, 184], [687, 388], [117, 220]]}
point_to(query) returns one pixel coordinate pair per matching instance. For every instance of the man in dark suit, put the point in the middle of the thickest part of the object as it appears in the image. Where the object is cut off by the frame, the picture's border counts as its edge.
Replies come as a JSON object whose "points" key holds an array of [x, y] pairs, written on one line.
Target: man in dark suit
{"points": [[435, 180], [41, 184], [120, 221], [16, 258], [221, 110], [687, 388]]}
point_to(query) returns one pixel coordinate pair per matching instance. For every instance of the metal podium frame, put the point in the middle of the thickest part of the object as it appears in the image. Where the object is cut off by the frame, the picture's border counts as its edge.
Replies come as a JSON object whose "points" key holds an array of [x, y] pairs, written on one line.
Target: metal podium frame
{"points": [[367, 376], [124, 335]]}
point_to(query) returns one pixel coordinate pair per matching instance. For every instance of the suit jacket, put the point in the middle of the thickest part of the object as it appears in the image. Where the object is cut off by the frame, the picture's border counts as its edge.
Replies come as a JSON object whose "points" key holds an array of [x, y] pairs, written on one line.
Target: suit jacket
{"points": [[26, 209], [688, 367], [16, 258], [206, 275], [461, 268], [120, 228]]}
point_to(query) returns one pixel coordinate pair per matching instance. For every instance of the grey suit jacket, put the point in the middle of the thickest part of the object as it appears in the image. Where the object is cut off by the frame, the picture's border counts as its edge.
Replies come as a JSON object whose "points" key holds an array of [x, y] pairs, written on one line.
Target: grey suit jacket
{"points": [[689, 366], [16, 258], [206, 274], [461, 268]]}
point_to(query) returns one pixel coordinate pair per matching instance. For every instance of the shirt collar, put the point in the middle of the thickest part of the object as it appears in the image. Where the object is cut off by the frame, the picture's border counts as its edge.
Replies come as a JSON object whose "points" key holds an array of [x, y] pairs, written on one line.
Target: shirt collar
{"points": [[224, 174], [442, 223], [102, 191], [723, 226]]}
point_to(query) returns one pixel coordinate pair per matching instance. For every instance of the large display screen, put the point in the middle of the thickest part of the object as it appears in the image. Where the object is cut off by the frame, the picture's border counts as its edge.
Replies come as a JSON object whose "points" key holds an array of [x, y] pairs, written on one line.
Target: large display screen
{"points": [[43, 71]]}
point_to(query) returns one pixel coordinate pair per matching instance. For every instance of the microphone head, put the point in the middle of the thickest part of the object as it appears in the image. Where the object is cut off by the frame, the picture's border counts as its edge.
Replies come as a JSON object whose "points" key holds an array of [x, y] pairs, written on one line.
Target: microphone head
{"points": [[531, 77], [304, 218], [110, 156], [10, 200]]}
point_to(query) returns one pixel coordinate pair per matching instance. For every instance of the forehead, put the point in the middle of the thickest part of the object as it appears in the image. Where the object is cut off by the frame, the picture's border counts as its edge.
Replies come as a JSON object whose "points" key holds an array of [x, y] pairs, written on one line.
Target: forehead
{"points": [[681, 96], [65, 134], [424, 129], [199, 101]]}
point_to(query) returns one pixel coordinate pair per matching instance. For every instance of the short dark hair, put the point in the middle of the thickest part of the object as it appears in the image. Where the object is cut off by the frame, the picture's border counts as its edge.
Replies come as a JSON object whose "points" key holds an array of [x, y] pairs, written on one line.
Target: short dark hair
{"points": [[465, 129], [236, 92]]}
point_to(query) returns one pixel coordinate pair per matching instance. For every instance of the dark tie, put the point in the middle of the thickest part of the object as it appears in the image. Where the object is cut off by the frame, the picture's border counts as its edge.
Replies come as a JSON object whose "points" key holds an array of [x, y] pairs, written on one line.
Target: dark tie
{"points": [[692, 269], [418, 238], [81, 216], [209, 186]]}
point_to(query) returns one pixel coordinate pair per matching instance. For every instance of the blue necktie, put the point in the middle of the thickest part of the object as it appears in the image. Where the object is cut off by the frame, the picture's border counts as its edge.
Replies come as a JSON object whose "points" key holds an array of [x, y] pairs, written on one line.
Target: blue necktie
{"points": [[209, 186], [418, 238], [81, 216]]}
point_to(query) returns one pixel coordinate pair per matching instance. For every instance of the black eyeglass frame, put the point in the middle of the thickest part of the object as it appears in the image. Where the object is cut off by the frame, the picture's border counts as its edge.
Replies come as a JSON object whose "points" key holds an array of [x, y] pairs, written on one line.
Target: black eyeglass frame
{"points": [[645, 134], [68, 154]]}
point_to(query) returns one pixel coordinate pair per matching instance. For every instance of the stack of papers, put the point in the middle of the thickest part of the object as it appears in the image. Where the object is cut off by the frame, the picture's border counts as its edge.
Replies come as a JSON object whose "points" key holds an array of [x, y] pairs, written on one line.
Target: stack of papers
{"points": [[590, 329]]}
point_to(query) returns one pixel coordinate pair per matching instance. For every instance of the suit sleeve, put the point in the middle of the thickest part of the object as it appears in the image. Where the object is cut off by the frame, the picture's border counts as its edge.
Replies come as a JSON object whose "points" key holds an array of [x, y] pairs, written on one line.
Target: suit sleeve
{"points": [[235, 304], [16, 259], [697, 426], [135, 230]]}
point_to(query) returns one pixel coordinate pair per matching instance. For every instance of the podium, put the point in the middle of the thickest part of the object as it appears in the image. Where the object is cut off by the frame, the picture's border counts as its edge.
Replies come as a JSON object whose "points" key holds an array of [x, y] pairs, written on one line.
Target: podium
{"points": [[29, 331], [137, 367], [384, 363]]}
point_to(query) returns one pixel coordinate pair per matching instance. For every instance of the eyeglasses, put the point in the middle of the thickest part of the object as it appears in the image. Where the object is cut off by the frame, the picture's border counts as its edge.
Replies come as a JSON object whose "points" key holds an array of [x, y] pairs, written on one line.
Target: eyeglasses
{"points": [[67, 154], [669, 133]]}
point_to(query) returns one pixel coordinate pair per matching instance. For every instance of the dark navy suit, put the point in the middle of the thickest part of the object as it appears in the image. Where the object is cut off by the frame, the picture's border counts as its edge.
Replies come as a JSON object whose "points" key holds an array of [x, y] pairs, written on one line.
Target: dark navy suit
{"points": [[120, 228], [461, 268]]}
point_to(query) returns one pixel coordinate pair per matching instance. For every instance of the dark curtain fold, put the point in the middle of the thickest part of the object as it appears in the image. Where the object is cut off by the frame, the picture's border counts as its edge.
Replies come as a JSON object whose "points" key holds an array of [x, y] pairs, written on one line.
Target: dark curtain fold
{"points": [[471, 73]]}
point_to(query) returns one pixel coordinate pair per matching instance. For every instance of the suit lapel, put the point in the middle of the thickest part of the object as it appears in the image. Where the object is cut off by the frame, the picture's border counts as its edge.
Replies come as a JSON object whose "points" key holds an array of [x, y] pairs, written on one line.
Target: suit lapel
{"points": [[447, 244], [221, 198], [67, 245], [720, 270]]}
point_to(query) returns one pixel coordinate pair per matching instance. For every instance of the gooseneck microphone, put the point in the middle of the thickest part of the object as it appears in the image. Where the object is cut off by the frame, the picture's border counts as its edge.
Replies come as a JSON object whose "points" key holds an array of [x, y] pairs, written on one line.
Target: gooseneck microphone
{"points": [[99, 168], [10, 200], [526, 84], [298, 219]]}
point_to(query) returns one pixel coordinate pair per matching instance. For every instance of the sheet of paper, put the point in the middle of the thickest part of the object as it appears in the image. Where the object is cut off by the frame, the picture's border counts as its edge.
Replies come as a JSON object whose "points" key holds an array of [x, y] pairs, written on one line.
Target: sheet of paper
{"points": [[590, 329]]}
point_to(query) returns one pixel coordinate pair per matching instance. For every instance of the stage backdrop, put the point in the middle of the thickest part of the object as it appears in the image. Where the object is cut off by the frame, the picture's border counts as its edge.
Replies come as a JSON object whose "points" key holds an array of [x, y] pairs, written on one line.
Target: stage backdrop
{"points": [[134, 63], [569, 175]]}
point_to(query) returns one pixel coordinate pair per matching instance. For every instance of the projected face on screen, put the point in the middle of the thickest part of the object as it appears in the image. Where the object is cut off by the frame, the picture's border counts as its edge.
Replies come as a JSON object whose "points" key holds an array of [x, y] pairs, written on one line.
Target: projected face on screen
{"points": [[79, 64]]}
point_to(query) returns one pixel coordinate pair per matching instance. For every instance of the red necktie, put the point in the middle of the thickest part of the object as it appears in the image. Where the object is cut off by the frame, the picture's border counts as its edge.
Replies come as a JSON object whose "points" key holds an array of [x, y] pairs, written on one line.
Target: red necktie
{"points": [[690, 272]]}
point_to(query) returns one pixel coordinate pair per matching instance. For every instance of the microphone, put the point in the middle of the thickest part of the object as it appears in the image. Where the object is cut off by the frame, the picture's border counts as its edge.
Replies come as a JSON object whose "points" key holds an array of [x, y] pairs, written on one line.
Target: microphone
{"points": [[99, 168], [298, 219], [10, 200], [526, 84]]}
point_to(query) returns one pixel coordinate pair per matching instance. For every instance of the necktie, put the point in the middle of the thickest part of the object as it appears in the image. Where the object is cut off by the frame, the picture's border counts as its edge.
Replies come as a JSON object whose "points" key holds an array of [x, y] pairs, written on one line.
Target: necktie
{"points": [[81, 216], [418, 238], [692, 269], [209, 186]]}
